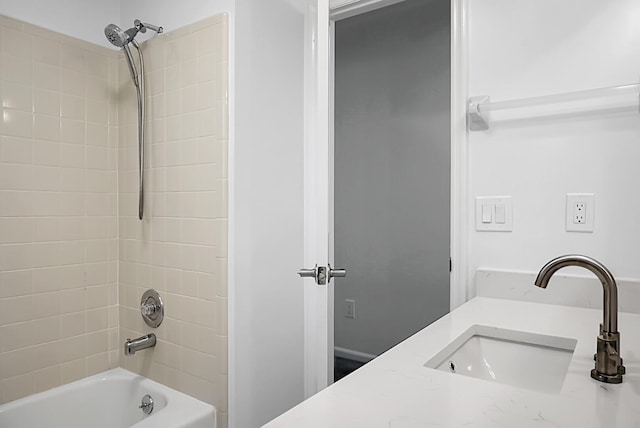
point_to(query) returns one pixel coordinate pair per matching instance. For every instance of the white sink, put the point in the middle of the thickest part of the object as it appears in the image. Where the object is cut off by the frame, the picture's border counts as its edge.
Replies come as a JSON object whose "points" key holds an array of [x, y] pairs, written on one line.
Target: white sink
{"points": [[517, 358]]}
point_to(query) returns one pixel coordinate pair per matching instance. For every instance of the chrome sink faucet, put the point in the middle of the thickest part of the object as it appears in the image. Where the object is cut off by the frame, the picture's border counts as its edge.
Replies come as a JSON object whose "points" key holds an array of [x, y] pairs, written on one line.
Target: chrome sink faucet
{"points": [[608, 367]]}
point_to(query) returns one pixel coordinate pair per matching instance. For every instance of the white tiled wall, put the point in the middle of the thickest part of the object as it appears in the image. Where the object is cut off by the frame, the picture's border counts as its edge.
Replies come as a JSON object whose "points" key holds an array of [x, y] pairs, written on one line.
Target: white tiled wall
{"points": [[180, 248], [58, 209]]}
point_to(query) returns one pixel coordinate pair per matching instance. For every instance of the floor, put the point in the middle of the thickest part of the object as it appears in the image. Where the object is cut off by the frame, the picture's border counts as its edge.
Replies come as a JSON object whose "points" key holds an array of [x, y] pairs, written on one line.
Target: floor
{"points": [[344, 366]]}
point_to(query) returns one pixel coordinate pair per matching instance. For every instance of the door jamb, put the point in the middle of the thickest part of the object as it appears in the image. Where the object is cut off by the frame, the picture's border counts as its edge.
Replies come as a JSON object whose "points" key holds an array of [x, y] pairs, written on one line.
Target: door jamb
{"points": [[331, 234], [459, 154], [358, 7]]}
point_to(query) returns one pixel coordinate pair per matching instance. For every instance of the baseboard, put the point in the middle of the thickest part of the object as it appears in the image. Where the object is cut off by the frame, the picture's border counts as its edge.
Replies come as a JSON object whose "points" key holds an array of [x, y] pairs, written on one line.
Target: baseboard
{"points": [[352, 355]]}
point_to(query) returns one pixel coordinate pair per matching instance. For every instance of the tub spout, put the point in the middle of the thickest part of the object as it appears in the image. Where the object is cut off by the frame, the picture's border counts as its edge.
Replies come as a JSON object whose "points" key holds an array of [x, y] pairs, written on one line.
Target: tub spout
{"points": [[608, 367], [131, 346]]}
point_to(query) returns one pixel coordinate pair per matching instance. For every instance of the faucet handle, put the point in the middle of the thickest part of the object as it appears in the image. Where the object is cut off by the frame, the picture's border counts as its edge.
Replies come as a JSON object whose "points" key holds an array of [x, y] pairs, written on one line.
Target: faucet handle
{"points": [[148, 308], [152, 308]]}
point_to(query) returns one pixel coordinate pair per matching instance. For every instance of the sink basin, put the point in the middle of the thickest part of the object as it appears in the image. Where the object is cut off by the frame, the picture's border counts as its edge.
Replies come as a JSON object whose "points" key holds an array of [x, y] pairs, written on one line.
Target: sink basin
{"points": [[516, 358]]}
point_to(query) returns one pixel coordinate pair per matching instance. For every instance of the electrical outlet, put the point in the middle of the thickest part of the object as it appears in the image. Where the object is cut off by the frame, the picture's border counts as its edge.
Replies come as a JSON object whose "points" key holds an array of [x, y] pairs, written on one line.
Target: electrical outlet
{"points": [[580, 212], [350, 306]]}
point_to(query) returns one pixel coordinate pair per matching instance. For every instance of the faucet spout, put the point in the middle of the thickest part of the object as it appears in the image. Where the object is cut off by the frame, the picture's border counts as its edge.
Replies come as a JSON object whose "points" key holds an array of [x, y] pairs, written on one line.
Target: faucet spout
{"points": [[608, 367], [610, 296], [131, 346]]}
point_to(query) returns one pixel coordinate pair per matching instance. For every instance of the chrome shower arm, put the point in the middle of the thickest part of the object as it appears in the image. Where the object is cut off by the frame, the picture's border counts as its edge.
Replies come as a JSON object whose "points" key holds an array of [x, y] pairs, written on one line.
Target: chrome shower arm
{"points": [[142, 27], [157, 29]]}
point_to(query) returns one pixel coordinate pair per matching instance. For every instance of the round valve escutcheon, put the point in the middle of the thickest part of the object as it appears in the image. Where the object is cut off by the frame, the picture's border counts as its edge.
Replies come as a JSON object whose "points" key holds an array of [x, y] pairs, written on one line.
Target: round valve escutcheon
{"points": [[152, 308]]}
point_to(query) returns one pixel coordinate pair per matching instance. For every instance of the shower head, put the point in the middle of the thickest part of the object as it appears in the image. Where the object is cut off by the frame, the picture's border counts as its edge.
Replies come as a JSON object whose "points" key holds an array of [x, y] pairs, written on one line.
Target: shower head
{"points": [[121, 38], [116, 36]]}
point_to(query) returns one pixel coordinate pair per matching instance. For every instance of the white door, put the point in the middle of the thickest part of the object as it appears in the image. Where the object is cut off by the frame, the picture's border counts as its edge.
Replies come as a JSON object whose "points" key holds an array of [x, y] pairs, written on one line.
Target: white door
{"points": [[318, 271]]}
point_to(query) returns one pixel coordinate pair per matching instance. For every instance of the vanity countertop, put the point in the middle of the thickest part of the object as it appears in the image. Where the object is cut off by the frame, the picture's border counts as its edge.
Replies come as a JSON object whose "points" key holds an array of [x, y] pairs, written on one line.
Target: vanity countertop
{"points": [[396, 391]]}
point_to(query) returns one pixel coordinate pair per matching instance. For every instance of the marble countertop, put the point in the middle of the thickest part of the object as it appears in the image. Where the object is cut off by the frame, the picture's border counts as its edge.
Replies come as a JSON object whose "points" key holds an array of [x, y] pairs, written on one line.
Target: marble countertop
{"points": [[396, 391]]}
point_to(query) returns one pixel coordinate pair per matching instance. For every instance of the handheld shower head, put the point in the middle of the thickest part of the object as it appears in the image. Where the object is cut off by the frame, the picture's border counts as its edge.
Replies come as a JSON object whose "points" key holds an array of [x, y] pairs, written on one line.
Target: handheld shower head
{"points": [[121, 38], [115, 35]]}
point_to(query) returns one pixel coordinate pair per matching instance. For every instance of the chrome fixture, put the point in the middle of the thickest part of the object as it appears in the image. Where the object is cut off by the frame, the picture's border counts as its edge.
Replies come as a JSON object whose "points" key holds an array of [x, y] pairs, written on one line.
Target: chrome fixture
{"points": [[135, 345], [146, 405], [152, 308], [608, 366], [121, 39], [321, 274]]}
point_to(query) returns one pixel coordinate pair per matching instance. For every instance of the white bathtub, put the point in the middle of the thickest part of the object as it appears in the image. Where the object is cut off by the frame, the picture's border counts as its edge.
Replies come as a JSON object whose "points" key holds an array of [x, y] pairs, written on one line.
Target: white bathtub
{"points": [[108, 400]]}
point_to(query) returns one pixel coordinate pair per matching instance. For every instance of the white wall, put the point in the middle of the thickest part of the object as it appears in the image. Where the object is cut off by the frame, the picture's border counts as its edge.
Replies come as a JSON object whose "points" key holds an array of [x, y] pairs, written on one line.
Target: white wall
{"points": [[169, 14], [267, 310], [86, 19], [526, 48], [82, 19]]}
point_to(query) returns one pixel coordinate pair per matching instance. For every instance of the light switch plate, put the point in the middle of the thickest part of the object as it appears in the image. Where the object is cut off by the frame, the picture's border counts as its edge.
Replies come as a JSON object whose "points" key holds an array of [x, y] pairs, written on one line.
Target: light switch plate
{"points": [[501, 220], [580, 212]]}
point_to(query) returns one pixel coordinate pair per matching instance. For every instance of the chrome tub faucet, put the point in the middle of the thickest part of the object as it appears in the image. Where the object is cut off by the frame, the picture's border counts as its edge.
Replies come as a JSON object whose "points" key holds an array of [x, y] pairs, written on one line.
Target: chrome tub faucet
{"points": [[608, 366], [131, 346]]}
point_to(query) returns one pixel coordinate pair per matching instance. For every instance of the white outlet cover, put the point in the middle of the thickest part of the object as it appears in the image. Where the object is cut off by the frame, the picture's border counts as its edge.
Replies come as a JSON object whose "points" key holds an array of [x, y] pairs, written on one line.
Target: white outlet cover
{"points": [[572, 200], [350, 308]]}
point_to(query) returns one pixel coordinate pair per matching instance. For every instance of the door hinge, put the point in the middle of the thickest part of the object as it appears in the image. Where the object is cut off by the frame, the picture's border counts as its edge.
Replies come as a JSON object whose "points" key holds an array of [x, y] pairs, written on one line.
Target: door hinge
{"points": [[450, 265]]}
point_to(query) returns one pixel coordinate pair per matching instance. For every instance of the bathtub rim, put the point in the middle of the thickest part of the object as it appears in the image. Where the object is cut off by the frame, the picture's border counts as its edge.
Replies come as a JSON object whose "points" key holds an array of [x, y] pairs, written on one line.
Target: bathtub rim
{"points": [[178, 404]]}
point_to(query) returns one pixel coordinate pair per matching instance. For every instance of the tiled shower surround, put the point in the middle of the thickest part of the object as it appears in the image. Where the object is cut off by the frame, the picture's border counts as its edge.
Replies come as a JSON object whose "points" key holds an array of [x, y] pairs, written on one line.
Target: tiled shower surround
{"points": [[180, 248], [58, 209], [74, 258]]}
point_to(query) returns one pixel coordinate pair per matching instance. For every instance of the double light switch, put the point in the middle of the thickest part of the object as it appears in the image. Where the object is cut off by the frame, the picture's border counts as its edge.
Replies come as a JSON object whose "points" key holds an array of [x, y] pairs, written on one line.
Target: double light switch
{"points": [[494, 214]]}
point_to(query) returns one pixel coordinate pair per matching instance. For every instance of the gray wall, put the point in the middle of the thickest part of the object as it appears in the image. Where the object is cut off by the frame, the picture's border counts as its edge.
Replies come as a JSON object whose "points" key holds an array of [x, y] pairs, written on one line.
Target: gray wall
{"points": [[392, 172]]}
